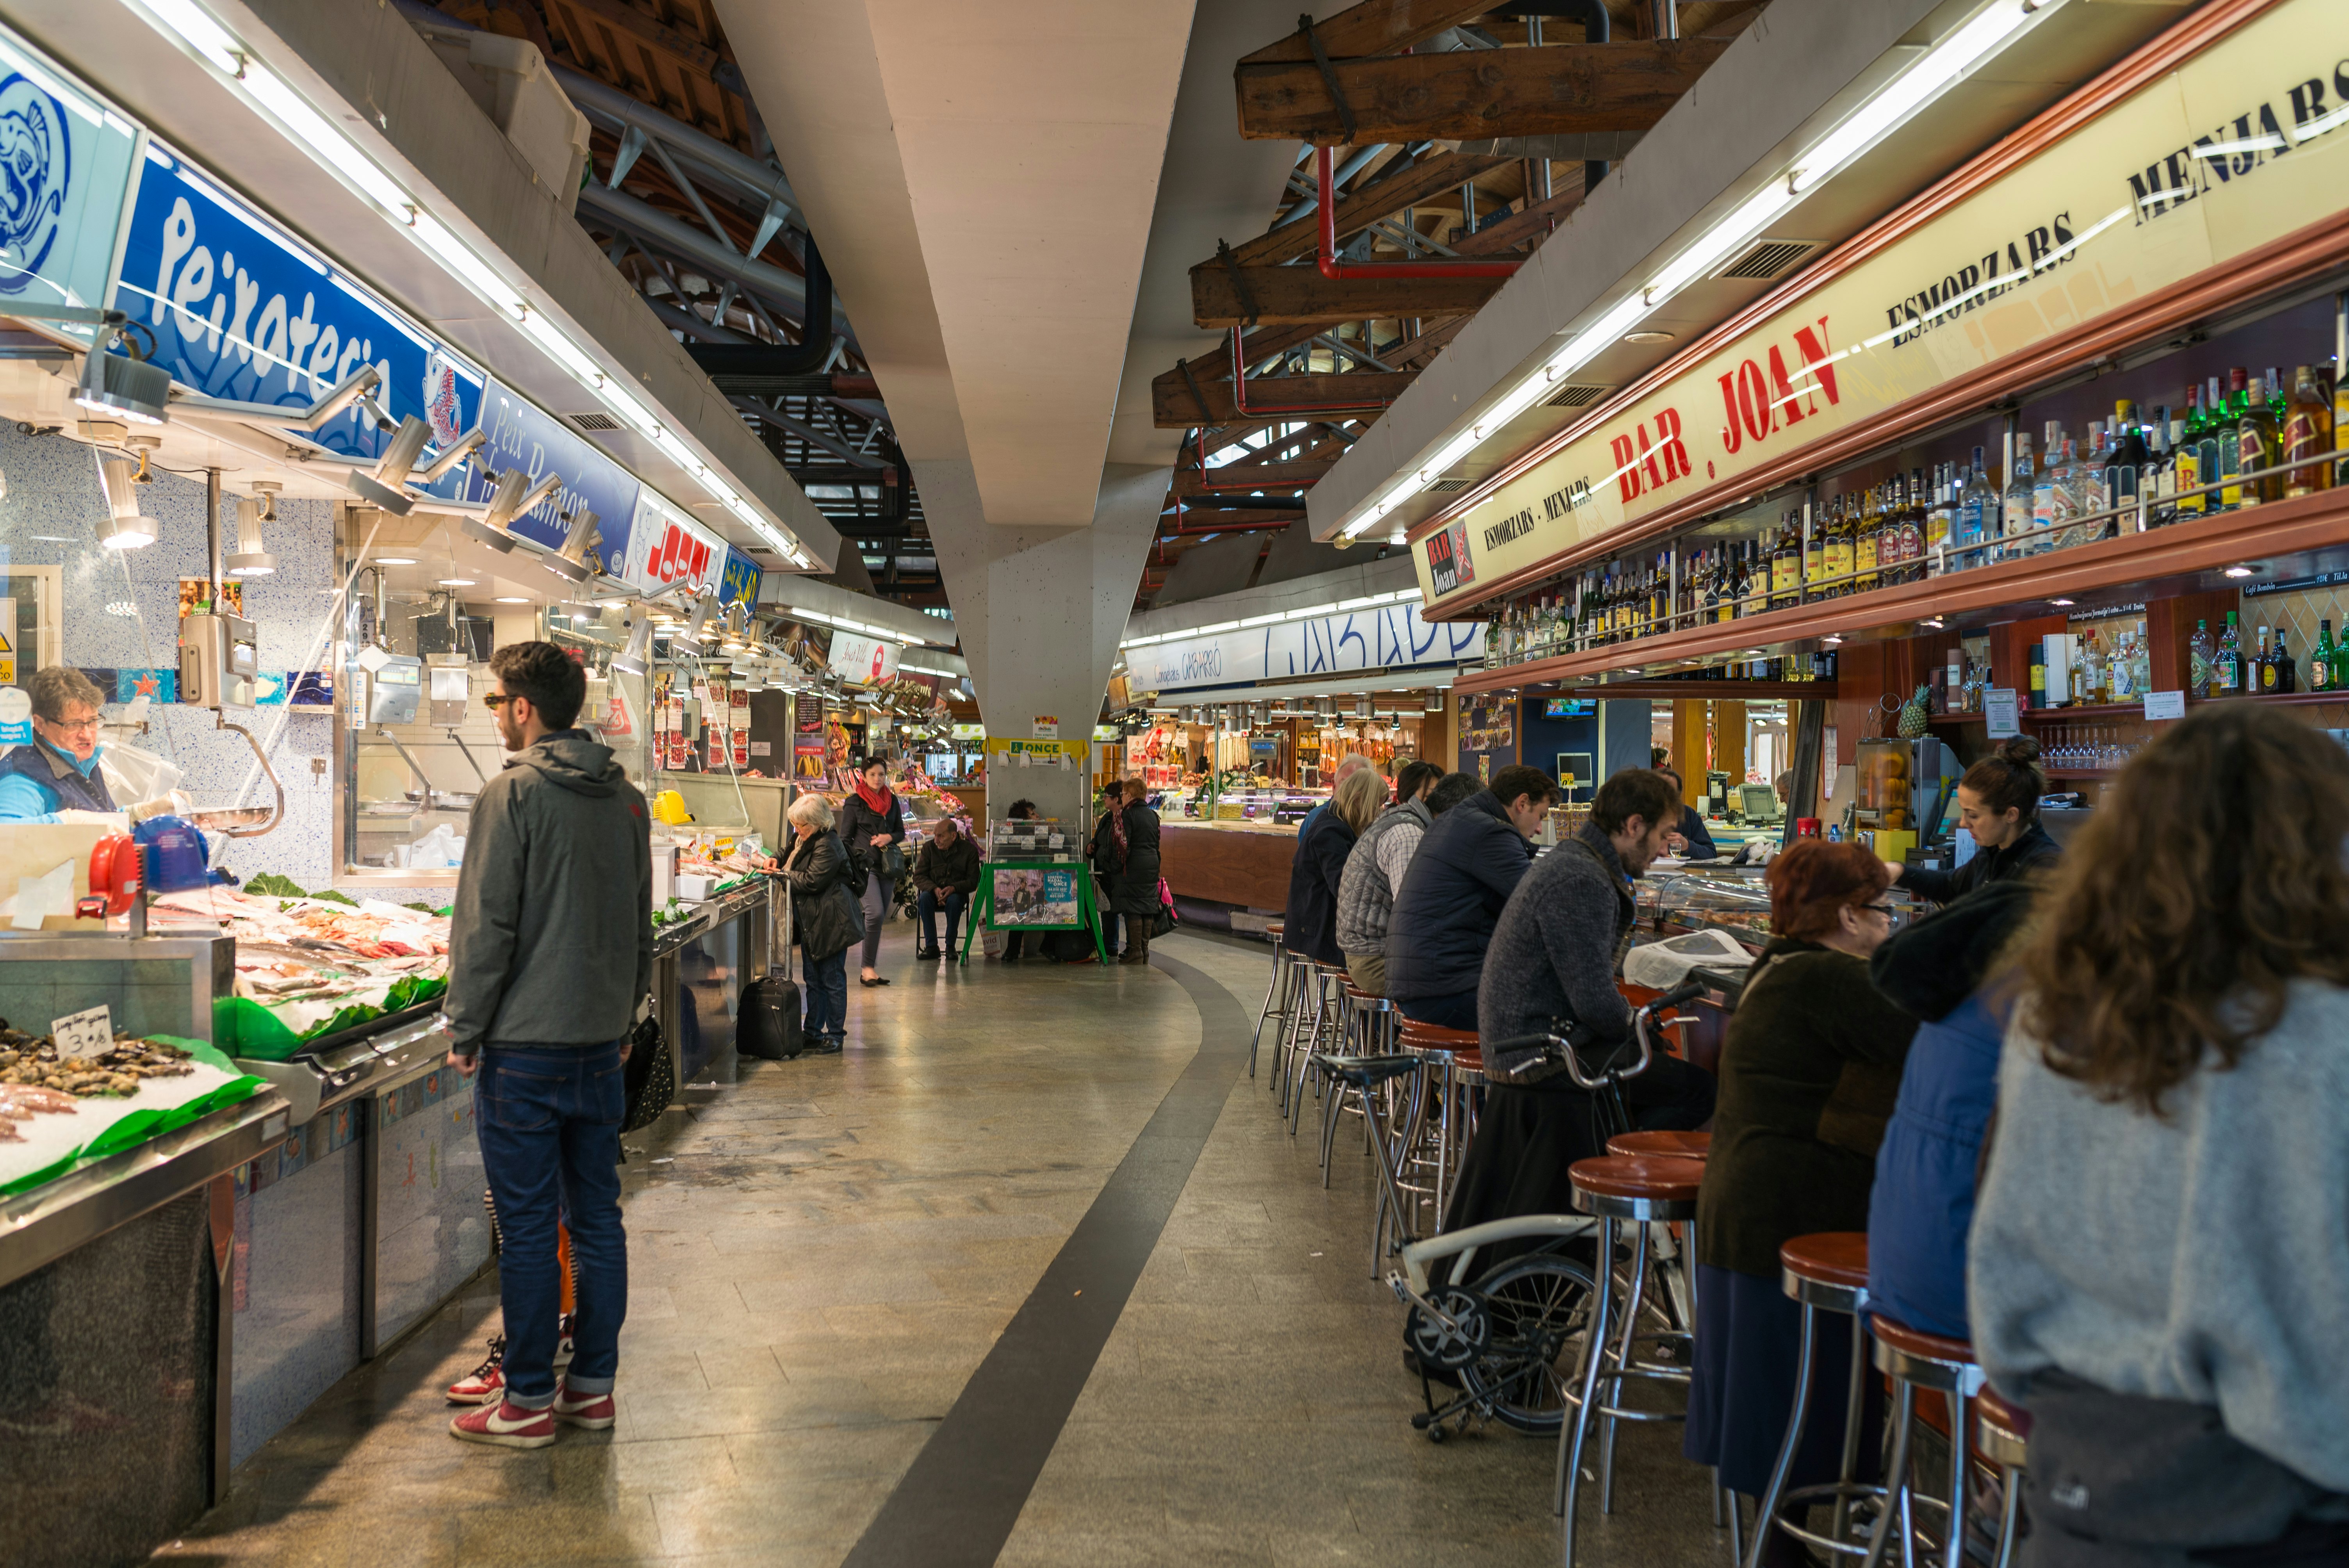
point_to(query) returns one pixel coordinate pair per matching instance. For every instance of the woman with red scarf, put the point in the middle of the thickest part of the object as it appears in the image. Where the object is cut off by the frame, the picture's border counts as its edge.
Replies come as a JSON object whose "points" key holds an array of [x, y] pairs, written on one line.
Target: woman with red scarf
{"points": [[870, 823]]}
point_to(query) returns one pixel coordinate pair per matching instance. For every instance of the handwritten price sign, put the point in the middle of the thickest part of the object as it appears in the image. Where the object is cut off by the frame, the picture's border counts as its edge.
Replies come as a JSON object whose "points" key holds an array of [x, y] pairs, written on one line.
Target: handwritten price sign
{"points": [[83, 1034]]}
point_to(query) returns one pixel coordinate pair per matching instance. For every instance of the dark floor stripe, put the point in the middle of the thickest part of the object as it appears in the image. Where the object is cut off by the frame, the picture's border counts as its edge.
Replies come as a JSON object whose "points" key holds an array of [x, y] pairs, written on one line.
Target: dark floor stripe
{"points": [[957, 1504]]}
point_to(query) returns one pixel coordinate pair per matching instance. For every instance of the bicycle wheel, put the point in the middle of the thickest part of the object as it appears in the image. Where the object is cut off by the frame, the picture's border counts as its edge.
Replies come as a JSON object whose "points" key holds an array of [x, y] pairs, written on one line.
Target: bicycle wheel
{"points": [[1538, 1307]]}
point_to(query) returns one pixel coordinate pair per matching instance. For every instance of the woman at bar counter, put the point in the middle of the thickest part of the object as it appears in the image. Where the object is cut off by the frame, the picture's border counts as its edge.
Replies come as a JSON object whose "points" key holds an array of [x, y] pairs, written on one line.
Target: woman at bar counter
{"points": [[1808, 1075], [1998, 803], [2160, 1253], [1318, 866]]}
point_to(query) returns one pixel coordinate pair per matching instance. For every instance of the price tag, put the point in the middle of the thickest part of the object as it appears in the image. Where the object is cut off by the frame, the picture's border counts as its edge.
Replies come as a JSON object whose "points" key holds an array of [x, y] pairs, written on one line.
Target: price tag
{"points": [[2165, 704], [2000, 714], [82, 1034]]}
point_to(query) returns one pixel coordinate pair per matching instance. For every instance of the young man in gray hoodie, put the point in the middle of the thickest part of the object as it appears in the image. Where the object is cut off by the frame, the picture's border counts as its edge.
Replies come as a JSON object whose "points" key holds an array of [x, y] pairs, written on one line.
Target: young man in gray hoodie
{"points": [[550, 953]]}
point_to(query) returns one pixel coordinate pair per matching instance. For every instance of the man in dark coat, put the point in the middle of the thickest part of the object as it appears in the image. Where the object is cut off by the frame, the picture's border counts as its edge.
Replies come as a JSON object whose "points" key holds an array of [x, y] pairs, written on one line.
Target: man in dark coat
{"points": [[945, 873], [1468, 864], [1134, 893]]}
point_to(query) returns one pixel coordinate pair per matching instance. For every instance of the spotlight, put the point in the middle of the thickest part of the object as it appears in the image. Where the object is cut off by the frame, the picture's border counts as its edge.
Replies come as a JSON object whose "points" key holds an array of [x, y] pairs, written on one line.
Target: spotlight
{"points": [[455, 452], [122, 384], [634, 659], [252, 558], [490, 528], [573, 562], [385, 487], [122, 528], [696, 631]]}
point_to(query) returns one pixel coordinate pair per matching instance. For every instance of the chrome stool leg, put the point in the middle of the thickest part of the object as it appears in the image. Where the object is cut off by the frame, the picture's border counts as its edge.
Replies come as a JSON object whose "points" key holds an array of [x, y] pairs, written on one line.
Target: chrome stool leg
{"points": [[1276, 988]]}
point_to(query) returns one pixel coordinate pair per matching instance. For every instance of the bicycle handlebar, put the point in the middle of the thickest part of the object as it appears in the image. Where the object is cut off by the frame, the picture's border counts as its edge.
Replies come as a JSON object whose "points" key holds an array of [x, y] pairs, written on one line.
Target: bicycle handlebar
{"points": [[1562, 1049]]}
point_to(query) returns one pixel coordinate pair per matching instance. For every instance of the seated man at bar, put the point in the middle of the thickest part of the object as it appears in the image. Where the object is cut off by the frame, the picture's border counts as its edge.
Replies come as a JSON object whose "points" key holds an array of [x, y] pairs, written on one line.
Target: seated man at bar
{"points": [[1374, 869], [1553, 967], [1687, 837], [945, 873], [1466, 866], [57, 770]]}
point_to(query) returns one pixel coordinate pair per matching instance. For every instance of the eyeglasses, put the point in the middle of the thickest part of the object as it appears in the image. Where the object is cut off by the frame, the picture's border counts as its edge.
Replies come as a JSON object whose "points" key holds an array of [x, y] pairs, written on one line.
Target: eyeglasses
{"points": [[1885, 910], [496, 701], [75, 725]]}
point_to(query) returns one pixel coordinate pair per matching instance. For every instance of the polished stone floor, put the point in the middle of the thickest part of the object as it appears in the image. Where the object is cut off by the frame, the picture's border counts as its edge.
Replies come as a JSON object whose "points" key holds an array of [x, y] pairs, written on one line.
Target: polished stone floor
{"points": [[824, 1255]]}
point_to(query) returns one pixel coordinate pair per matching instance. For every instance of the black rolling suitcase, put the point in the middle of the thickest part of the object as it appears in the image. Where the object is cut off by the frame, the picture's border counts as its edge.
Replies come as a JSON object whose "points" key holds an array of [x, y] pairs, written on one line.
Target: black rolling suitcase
{"points": [[768, 1027]]}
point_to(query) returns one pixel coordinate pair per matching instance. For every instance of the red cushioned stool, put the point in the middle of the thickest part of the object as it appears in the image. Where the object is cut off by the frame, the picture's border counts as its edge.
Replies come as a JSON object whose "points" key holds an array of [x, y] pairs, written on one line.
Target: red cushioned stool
{"points": [[1826, 1272]]}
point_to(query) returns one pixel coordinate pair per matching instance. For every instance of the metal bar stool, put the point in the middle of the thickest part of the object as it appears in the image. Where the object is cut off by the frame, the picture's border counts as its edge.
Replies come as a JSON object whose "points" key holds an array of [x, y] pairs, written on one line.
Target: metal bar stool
{"points": [[2003, 1436], [1299, 1029], [1674, 1145], [1617, 1191], [1915, 1360], [1280, 990], [1362, 1077], [1449, 1056], [1826, 1273], [1325, 981]]}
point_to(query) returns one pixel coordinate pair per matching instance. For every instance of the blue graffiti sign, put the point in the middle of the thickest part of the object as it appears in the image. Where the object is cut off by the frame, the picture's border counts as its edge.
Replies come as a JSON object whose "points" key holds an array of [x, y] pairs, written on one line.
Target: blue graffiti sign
{"points": [[241, 310], [64, 175]]}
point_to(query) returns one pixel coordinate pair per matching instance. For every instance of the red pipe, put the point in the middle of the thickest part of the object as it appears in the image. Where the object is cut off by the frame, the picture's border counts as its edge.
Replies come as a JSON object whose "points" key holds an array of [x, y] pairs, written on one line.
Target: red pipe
{"points": [[1199, 438], [1325, 161]]}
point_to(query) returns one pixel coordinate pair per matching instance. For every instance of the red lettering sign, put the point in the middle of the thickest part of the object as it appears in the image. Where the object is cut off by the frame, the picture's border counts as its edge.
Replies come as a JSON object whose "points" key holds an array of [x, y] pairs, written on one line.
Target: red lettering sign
{"points": [[1627, 465], [1756, 405]]}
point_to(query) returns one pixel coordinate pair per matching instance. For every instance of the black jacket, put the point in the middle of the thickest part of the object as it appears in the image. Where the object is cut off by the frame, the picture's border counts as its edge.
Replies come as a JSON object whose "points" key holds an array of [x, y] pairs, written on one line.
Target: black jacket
{"points": [[1103, 850], [1134, 887], [552, 942], [1466, 867], [1314, 873], [1701, 846], [859, 823], [2033, 849], [826, 916], [940, 870]]}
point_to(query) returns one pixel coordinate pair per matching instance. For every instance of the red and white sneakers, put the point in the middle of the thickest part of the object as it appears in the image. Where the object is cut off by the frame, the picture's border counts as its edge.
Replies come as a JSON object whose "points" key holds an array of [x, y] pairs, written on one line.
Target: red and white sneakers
{"points": [[506, 1425], [485, 1384], [593, 1411]]}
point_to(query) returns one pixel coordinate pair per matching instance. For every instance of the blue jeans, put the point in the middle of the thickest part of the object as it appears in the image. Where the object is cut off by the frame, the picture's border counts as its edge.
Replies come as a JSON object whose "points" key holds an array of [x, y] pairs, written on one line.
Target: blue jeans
{"points": [[928, 903], [550, 1130], [827, 995]]}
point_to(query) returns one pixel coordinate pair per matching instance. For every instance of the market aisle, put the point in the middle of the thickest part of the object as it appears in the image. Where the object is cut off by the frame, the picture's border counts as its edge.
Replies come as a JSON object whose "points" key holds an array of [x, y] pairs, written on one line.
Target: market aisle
{"points": [[824, 1257]]}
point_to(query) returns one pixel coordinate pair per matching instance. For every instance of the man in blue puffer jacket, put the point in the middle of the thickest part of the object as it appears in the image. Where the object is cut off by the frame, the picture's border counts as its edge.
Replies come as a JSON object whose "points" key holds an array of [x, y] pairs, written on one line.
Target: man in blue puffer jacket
{"points": [[1928, 1166], [1467, 865]]}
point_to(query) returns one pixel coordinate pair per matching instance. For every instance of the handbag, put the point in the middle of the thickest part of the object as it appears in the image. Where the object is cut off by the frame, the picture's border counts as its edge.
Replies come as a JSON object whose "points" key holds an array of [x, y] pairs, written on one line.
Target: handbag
{"points": [[1162, 922], [650, 1076], [893, 862]]}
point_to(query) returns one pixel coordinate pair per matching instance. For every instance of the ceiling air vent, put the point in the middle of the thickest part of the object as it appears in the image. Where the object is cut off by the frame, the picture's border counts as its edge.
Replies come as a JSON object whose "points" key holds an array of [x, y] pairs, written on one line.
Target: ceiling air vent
{"points": [[596, 422], [1575, 395], [1768, 258], [1450, 487]]}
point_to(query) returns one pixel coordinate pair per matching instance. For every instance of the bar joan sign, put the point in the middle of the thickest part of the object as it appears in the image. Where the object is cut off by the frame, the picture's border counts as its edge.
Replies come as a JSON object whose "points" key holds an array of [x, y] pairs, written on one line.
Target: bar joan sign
{"points": [[2239, 147]]}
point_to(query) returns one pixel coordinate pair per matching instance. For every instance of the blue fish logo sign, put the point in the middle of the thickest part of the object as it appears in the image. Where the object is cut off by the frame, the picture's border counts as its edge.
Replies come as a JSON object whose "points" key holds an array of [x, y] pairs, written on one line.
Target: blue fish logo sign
{"points": [[36, 168]]}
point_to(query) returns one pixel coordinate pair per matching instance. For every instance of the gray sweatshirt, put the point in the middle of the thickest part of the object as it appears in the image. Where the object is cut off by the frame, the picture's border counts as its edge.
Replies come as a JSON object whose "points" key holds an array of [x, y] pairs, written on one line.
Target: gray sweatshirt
{"points": [[552, 941], [1553, 952], [2203, 1256]]}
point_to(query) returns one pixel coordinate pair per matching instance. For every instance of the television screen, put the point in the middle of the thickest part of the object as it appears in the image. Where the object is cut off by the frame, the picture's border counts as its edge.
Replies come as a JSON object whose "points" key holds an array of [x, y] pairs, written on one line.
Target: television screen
{"points": [[1565, 708]]}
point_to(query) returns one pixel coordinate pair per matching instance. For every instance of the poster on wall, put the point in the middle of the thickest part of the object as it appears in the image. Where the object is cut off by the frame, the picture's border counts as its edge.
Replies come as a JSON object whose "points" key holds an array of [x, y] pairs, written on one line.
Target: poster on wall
{"points": [[1035, 899], [195, 591], [1488, 728], [665, 546], [69, 160], [868, 661], [807, 737]]}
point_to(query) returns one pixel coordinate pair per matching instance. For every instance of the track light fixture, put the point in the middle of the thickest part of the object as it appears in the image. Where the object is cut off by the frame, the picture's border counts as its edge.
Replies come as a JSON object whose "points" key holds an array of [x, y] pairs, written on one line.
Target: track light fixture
{"points": [[636, 658], [386, 487], [122, 527], [252, 558], [572, 562]]}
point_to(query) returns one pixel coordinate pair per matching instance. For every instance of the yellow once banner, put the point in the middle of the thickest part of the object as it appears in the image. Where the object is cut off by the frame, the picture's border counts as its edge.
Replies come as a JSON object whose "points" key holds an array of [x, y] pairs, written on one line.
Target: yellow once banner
{"points": [[2242, 145]]}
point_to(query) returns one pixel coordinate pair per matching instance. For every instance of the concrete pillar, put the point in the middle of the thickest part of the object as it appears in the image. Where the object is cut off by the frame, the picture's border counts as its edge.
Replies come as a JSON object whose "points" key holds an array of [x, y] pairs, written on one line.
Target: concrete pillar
{"points": [[1040, 611]]}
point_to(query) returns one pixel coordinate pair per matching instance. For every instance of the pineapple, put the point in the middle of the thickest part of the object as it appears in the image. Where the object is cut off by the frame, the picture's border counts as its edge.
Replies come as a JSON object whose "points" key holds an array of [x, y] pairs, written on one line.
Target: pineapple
{"points": [[1914, 717]]}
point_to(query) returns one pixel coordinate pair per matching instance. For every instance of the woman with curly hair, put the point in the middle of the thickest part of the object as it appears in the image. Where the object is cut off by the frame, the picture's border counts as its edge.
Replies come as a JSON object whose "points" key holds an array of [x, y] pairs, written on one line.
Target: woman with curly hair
{"points": [[2160, 1251]]}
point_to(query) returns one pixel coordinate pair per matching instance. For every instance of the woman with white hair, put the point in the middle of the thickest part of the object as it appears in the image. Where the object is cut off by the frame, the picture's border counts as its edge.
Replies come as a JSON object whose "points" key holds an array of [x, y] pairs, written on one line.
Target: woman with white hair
{"points": [[826, 918]]}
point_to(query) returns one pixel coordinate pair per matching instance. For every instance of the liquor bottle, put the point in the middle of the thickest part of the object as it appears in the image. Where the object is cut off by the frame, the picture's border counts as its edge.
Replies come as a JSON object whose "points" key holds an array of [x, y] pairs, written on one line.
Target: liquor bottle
{"points": [[2014, 519], [2320, 658], [2120, 670], [2091, 484], [2228, 438], [2159, 483], [2043, 490], [2258, 440], [1867, 541], [1839, 548], [1914, 514], [2202, 654], [2341, 436], [2307, 433], [1786, 564], [2286, 667], [2140, 669], [2227, 665], [2263, 666], [2187, 464], [2340, 656], [1977, 515], [2125, 471], [1942, 522]]}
